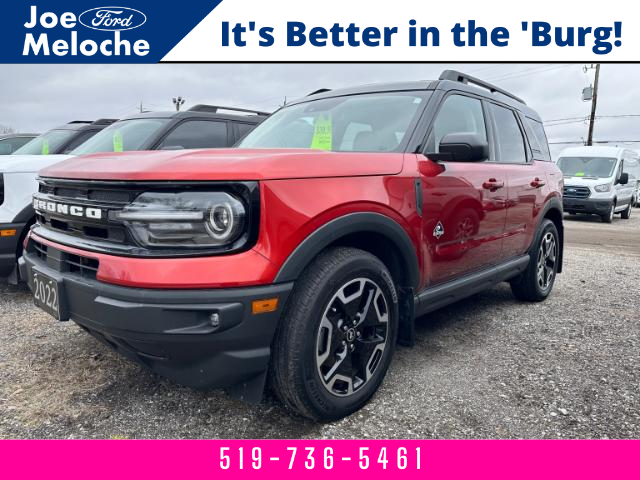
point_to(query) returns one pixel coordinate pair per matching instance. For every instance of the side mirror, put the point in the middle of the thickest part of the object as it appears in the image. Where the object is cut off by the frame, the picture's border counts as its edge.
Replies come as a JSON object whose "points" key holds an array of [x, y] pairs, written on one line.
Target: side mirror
{"points": [[624, 178], [463, 147]]}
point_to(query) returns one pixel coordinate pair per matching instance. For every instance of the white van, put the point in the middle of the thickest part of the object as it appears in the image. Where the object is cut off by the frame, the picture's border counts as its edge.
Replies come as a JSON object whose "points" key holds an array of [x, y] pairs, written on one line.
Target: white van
{"points": [[596, 181]]}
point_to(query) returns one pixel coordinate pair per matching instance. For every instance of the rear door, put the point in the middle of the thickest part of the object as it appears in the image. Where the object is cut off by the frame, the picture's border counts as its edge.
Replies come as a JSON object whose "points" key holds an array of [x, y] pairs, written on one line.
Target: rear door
{"points": [[464, 204], [525, 183]]}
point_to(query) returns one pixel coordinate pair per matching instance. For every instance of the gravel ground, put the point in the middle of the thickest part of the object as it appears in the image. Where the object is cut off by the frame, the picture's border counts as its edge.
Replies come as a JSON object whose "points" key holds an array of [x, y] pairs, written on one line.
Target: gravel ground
{"points": [[488, 367]]}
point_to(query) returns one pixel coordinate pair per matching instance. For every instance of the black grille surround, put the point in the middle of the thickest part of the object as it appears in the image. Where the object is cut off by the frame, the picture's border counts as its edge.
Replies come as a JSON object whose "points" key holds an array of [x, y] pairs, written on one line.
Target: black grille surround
{"points": [[576, 192], [104, 235]]}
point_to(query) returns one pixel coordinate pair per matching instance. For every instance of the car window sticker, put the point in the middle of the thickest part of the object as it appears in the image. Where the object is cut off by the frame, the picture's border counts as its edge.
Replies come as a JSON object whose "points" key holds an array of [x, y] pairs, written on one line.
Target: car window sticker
{"points": [[117, 141], [323, 133]]}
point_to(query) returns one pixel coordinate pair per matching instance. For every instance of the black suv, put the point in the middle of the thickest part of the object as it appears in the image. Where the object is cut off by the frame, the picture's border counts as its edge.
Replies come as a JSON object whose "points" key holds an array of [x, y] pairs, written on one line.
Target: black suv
{"points": [[63, 139], [202, 126]]}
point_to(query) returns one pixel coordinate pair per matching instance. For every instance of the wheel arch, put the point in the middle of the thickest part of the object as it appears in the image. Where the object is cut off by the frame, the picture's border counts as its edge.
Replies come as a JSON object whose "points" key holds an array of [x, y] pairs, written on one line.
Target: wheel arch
{"points": [[553, 211], [373, 232]]}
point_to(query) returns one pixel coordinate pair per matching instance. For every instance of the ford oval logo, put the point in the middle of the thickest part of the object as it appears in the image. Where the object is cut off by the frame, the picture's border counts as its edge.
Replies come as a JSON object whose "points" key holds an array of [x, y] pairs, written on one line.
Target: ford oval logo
{"points": [[112, 18]]}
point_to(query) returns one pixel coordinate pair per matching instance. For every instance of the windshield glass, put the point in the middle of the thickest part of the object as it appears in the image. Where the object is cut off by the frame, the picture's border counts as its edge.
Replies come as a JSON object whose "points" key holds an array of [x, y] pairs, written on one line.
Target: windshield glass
{"points": [[358, 123], [46, 144], [593, 167], [123, 136]]}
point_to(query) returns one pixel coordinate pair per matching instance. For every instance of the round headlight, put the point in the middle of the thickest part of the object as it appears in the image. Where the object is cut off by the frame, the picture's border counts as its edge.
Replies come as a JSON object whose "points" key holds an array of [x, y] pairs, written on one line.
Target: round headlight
{"points": [[221, 221]]}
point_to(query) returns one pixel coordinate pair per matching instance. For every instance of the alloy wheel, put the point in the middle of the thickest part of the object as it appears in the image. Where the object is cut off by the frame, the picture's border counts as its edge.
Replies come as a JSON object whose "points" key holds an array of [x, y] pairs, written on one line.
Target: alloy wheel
{"points": [[352, 336], [547, 257]]}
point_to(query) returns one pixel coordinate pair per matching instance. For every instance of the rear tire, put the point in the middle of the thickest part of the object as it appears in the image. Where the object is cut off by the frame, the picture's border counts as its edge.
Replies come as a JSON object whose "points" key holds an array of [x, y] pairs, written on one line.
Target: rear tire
{"points": [[536, 282], [337, 334], [627, 213]]}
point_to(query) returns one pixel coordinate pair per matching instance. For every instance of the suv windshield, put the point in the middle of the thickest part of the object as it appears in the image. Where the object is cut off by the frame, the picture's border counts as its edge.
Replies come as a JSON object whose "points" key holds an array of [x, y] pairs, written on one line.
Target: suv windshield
{"points": [[375, 122], [123, 136], [46, 143], [593, 167]]}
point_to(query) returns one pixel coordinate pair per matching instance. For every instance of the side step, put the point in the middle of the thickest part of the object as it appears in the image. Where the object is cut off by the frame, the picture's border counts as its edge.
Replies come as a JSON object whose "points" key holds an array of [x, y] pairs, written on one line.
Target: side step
{"points": [[444, 294]]}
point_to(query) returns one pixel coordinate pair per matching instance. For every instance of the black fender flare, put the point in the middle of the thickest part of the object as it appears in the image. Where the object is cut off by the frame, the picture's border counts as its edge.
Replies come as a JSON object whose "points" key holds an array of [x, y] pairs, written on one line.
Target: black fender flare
{"points": [[360, 222]]}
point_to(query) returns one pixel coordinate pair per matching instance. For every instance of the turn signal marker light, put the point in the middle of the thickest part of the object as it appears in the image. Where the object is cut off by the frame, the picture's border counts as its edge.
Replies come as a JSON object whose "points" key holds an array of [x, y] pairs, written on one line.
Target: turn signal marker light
{"points": [[264, 306], [8, 233]]}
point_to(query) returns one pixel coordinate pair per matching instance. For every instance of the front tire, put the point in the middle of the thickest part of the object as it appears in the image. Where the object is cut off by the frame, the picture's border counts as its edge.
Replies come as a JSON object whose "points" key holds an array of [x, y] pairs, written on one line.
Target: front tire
{"points": [[536, 282], [608, 218], [627, 213], [337, 335]]}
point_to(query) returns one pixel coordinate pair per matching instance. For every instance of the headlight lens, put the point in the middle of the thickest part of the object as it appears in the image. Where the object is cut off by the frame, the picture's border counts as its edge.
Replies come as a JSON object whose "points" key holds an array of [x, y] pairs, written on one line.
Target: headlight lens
{"points": [[185, 219], [603, 188]]}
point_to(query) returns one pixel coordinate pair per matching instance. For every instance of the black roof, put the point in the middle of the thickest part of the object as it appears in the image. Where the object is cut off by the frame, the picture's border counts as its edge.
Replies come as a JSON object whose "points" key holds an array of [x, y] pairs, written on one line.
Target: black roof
{"points": [[78, 125], [449, 80], [207, 111]]}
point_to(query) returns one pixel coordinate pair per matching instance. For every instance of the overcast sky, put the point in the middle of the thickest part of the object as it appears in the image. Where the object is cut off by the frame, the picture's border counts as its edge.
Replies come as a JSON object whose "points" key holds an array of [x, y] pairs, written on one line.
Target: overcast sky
{"points": [[39, 97]]}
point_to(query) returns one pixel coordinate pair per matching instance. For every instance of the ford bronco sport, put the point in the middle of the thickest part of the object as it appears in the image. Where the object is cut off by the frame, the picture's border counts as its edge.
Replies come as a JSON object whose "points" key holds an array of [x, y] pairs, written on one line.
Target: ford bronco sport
{"points": [[301, 257]]}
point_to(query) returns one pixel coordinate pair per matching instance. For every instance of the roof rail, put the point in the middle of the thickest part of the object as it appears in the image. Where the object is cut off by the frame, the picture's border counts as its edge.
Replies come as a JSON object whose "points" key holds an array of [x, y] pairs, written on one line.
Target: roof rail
{"points": [[456, 76], [214, 109], [104, 121], [79, 121], [320, 90]]}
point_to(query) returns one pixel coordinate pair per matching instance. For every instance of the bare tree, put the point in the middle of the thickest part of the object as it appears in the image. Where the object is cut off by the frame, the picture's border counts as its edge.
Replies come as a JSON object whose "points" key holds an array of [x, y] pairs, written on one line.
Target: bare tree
{"points": [[6, 129]]}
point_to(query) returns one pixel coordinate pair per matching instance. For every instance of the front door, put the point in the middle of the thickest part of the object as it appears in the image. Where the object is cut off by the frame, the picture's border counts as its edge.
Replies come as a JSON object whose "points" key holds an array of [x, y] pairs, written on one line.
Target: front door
{"points": [[464, 204]]}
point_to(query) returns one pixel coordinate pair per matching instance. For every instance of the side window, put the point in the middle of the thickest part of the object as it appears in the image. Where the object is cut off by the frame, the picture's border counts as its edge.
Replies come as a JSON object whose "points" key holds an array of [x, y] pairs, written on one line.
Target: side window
{"points": [[511, 146], [197, 134], [537, 139], [79, 139], [458, 114]]}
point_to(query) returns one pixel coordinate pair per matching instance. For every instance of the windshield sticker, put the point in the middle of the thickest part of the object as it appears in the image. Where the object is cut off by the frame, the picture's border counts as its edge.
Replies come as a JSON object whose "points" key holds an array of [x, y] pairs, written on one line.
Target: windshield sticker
{"points": [[45, 147], [579, 174], [117, 141], [322, 134]]}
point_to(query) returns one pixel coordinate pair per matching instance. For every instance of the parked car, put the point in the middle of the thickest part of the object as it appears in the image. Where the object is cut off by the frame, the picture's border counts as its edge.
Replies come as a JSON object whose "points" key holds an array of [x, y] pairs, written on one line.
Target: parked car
{"points": [[303, 255], [595, 181], [203, 126], [63, 139], [10, 142]]}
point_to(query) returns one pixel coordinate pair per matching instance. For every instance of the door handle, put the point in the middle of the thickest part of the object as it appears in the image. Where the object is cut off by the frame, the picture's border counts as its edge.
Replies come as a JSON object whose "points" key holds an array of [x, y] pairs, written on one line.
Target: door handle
{"points": [[537, 183], [492, 184]]}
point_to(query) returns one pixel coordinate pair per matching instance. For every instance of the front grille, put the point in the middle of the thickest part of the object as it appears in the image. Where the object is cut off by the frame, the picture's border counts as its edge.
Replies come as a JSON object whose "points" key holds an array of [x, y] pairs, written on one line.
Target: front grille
{"points": [[82, 197], [62, 261], [576, 192]]}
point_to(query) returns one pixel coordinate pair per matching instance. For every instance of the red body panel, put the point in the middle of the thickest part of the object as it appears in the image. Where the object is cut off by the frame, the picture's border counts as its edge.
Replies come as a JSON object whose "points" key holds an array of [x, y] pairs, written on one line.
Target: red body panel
{"points": [[301, 190]]}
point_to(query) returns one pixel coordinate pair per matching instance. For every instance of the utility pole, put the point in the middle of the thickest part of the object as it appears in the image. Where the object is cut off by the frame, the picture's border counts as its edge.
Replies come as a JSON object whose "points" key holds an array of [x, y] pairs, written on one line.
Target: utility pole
{"points": [[178, 102], [594, 102]]}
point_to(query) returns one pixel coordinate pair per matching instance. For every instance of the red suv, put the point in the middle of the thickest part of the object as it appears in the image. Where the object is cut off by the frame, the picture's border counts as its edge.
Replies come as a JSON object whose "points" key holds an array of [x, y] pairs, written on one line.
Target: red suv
{"points": [[303, 256]]}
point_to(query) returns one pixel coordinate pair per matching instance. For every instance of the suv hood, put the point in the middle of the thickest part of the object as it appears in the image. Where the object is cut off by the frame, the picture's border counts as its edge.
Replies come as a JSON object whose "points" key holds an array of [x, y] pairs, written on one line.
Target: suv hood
{"points": [[225, 164], [28, 163]]}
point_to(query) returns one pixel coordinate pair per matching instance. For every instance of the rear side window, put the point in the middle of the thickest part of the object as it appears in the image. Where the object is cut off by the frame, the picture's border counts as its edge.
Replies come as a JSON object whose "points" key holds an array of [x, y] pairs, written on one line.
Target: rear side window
{"points": [[197, 134], [537, 139], [511, 146], [458, 114], [242, 129]]}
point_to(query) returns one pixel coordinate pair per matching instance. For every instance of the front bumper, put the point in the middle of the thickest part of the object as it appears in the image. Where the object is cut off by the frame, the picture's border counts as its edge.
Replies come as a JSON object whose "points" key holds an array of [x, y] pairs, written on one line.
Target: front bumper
{"points": [[9, 247], [170, 331], [598, 206]]}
